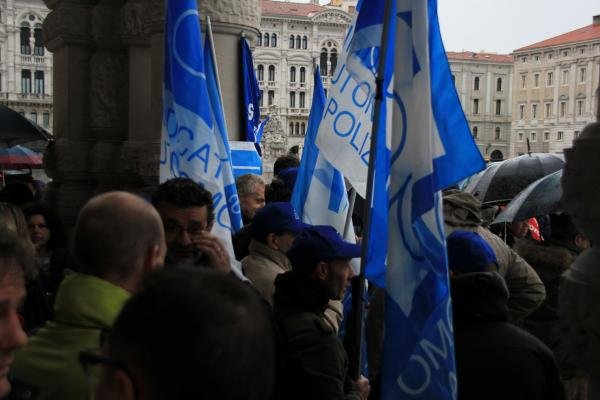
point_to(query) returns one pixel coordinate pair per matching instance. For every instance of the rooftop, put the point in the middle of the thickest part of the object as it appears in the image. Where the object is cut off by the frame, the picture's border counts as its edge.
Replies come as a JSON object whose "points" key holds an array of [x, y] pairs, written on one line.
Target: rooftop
{"points": [[584, 34], [285, 8], [471, 56]]}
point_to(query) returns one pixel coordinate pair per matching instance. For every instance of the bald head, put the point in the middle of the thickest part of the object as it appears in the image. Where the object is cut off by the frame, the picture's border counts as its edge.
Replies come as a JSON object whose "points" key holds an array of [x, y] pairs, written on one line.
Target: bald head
{"points": [[117, 236]]}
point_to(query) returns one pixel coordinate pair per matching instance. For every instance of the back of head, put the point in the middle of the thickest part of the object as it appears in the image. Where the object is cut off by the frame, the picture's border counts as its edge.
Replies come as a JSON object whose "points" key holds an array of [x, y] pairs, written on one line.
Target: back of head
{"points": [[18, 193], [479, 296], [196, 334], [277, 191], [469, 252], [284, 162], [11, 217], [16, 255], [113, 234], [562, 228]]}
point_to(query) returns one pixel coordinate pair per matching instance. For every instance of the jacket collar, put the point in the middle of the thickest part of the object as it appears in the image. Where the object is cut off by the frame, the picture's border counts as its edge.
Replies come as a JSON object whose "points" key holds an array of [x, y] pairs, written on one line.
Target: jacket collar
{"points": [[298, 292], [262, 250]]}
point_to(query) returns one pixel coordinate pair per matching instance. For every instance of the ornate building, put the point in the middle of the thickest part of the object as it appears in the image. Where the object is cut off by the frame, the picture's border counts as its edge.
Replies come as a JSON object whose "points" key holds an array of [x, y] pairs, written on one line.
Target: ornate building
{"points": [[484, 84], [554, 88], [25, 64]]}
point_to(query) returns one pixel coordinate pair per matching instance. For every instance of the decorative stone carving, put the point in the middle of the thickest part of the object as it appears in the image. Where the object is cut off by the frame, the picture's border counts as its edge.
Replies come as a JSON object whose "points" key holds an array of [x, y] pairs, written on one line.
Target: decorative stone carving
{"points": [[154, 16], [240, 12], [274, 141], [67, 23], [132, 19], [108, 94], [106, 26], [332, 17]]}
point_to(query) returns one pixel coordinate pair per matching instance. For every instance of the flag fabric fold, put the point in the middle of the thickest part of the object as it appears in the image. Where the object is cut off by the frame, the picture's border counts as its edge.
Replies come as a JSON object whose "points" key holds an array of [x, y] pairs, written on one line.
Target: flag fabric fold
{"points": [[254, 127], [194, 138]]}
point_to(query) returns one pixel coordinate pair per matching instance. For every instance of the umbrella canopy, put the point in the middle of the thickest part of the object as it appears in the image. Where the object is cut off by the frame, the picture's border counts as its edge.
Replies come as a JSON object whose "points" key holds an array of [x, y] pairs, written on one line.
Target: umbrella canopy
{"points": [[16, 129], [19, 157], [540, 198], [502, 181]]}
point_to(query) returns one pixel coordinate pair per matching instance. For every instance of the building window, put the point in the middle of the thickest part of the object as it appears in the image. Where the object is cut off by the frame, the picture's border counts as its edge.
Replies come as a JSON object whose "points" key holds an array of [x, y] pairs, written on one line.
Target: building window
{"points": [[302, 74], [475, 132], [565, 77], [580, 104], [536, 80], [39, 82], [298, 42], [520, 136], [524, 59], [260, 98], [291, 128], [533, 137], [292, 99], [34, 116], [476, 106], [261, 72], [333, 60], [302, 100], [297, 126], [46, 119], [563, 108], [523, 81], [293, 74], [546, 136], [25, 81], [302, 128], [304, 42], [565, 53], [582, 75], [271, 73], [25, 35], [534, 111], [323, 62], [549, 56], [521, 111], [38, 48], [548, 110], [497, 133], [550, 79], [498, 107], [274, 40], [499, 85], [476, 83], [271, 97], [575, 135], [266, 40], [259, 43], [536, 58], [291, 41], [559, 135]]}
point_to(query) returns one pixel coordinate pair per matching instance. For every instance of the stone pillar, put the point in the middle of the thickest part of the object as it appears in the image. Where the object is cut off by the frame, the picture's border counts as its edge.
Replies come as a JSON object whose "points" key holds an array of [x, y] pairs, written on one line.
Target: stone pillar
{"points": [[579, 298], [108, 78]]}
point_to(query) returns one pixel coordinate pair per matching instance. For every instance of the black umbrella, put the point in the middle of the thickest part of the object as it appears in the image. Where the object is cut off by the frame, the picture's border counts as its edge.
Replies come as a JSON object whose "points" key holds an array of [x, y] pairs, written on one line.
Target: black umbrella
{"points": [[540, 198], [16, 129], [502, 181]]}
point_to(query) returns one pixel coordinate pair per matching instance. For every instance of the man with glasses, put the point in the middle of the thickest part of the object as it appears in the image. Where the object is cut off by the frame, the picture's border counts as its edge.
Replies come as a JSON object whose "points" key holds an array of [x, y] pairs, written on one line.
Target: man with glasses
{"points": [[187, 213]]}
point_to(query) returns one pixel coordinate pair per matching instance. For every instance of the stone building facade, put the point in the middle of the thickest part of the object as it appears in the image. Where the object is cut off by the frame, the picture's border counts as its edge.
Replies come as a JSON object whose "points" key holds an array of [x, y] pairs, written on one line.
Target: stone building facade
{"points": [[484, 85], [25, 63], [554, 88]]}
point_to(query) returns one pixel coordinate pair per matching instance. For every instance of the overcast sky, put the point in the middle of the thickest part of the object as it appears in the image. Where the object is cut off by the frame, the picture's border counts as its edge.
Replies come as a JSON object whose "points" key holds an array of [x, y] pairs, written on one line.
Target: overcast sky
{"points": [[501, 26]]}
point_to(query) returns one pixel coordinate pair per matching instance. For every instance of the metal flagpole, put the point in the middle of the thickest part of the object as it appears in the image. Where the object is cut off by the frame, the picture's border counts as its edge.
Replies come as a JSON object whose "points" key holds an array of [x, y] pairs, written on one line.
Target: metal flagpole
{"points": [[358, 283], [352, 199]]}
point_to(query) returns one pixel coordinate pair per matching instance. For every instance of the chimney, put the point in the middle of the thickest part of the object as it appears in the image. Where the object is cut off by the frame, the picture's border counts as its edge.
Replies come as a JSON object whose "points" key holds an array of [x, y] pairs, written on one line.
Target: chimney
{"points": [[596, 20]]}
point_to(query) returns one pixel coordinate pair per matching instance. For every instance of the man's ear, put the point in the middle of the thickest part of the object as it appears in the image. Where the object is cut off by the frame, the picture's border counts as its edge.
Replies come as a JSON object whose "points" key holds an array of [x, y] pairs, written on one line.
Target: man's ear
{"points": [[116, 387], [321, 270], [152, 257], [271, 241]]}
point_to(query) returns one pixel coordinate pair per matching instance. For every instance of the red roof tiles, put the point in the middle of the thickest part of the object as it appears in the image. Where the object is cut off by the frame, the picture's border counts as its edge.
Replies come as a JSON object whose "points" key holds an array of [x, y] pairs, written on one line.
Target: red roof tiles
{"points": [[479, 57], [586, 33], [270, 7]]}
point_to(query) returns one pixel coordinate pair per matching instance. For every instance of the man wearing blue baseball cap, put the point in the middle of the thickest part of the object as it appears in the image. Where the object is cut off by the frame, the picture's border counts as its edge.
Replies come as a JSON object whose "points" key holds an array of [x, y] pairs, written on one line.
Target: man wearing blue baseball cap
{"points": [[316, 363], [273, 230]]}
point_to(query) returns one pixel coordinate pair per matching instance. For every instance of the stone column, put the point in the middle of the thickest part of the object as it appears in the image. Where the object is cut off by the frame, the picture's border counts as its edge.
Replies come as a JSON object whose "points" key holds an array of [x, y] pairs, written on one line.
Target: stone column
{"points": [[579, 298]]}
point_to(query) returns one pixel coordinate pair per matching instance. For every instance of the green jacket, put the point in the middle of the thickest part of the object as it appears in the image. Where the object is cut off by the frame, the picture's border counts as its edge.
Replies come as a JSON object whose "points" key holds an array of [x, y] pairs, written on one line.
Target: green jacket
{"points": [[315, 362], [48, 367]]}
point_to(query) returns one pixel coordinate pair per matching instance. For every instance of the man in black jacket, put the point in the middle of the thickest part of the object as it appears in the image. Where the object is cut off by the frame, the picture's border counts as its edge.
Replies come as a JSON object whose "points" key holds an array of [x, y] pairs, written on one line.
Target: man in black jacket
{"points": [[316, 364]]}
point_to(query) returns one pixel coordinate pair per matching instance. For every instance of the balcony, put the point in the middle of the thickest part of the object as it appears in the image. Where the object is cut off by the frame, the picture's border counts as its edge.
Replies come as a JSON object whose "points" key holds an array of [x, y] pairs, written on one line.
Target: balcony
{"points": [[293, 84], [298, 111], [27, 59]]}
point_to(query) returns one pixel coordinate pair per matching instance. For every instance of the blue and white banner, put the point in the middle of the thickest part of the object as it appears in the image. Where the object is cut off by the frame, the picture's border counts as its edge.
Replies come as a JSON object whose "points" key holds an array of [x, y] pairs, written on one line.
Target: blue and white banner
{"points": [[194, 140], [425, 145], [345, 131], [245, 159], [253, 126]]}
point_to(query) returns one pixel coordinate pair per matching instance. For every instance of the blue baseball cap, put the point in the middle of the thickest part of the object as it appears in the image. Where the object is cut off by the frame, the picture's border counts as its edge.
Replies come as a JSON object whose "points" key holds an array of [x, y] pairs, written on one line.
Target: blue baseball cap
{"points": [[319, 243], [469, 252], [274, 218]]}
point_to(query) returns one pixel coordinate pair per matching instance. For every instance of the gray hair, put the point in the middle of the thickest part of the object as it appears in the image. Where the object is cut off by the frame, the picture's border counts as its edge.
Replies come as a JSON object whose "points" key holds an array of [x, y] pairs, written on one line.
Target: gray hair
{"points": [[246, 183]]}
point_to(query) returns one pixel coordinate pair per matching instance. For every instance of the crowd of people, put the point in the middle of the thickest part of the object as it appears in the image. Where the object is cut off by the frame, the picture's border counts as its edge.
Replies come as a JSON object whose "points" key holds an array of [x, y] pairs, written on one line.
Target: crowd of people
{"points": [[144, 302]]}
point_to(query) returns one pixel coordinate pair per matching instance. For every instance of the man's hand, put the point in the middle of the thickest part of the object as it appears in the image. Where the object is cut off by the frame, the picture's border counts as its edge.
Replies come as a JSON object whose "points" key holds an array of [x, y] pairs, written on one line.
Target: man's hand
{"points": [[216, 252], [362, 384]]}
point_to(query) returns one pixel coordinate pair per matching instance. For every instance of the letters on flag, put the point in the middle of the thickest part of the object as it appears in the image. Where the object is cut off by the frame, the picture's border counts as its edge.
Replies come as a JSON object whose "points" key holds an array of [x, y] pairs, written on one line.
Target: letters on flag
{"points": [[194, 144], [253, 126]]}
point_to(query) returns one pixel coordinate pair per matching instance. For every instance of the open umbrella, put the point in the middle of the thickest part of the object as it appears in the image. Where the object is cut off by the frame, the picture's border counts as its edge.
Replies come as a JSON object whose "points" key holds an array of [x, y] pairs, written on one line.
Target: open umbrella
{"points": [[540, 198], [502, 181], [16, 129], [19, 157]]}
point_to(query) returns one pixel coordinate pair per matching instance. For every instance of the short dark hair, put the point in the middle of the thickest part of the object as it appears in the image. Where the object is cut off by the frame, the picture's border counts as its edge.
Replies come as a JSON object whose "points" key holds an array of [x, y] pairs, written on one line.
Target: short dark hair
{"points": [[285, 162], [57, 233], [15, 253], [277, 191], [184, 193], [195, 333]]}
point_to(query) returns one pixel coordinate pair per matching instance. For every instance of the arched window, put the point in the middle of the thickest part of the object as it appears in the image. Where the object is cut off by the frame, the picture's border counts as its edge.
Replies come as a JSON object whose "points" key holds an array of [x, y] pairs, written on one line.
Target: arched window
{"points": [[34, 116], [302, 100], [293, 74], [499, 84], [476, 83], [475, 132], [266, 40], [291, 128], [39, 82], [274, 40], [303, 128], [304, 42], [25, 35], [323, 62], [25, 81], [497, 133], [38, 49], [302, 74], [297, 128], [261, 72], [271, 73], [333, 60], [292, 99], [496, 156], [259, 39], [298, 39], [291, 41]]}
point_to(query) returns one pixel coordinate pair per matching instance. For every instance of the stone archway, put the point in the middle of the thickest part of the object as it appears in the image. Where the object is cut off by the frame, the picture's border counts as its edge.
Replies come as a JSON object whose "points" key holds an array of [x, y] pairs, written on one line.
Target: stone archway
{"points": [[496, 156]]}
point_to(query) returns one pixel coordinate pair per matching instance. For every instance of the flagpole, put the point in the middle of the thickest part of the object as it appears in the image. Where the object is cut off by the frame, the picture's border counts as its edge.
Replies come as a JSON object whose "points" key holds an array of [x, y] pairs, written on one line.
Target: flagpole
{"points": [[358, 283], [347, 224], [214, 56]]}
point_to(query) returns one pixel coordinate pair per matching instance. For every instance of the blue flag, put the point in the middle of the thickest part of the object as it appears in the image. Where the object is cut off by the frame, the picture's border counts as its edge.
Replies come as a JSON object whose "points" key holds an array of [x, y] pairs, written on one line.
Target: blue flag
{"points": [[194, 137], [245, 159], [253, 126]]}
